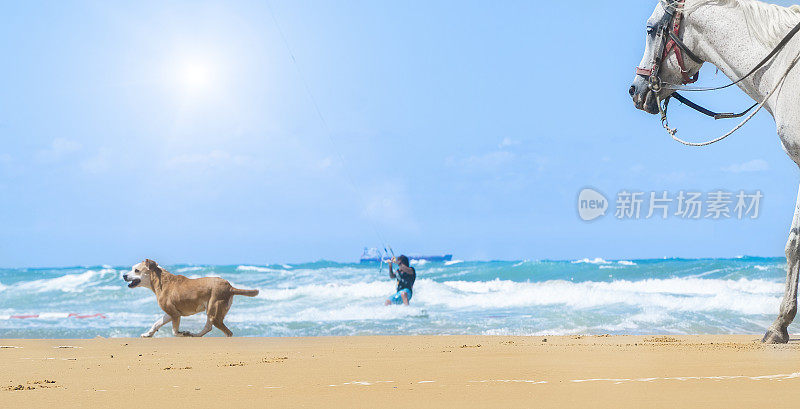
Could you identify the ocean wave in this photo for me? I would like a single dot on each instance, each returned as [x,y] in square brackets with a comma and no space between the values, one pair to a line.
[766,268]
[330,291]
[677,294]
[316,314]
[672,297]
[258,269]
[188,269]
[597,260]
[452,262]
[69,282]
[557,331]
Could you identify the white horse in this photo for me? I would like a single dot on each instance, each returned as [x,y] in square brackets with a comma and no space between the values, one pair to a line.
[735,35]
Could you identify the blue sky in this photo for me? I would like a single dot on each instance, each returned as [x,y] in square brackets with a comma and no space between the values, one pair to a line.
[183,132]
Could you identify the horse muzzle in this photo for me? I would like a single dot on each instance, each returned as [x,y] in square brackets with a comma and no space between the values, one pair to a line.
[643,97]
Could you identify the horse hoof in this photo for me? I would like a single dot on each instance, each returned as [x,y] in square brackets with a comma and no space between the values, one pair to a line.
[774,336]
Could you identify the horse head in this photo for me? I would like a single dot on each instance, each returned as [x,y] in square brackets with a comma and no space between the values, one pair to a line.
[666,60]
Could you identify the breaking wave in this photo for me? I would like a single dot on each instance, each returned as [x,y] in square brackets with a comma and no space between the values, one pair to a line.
[668,296]
[591,261]
[679,294]
[74,283]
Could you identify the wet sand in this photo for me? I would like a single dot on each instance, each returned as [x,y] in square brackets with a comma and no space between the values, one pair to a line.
[407,372]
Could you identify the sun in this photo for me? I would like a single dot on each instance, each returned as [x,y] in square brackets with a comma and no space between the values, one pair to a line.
[195,76]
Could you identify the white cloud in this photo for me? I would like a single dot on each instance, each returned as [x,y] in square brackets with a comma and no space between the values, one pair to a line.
[325,163]
[490,160]
[391,209]
[507,142]
[98,163]
[755,165]
[59,148]
[215,159]
[638,168]
[384,208]
[500,162]
[671,177]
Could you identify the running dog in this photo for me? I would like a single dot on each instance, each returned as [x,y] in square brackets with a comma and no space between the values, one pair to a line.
[180,296]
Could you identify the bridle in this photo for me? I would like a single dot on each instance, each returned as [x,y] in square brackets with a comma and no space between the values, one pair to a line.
[668,34]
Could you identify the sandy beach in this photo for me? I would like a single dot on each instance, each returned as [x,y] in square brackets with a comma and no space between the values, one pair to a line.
[418,372]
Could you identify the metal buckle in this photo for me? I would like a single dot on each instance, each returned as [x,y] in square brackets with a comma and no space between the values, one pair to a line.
[654,83]
[662,109]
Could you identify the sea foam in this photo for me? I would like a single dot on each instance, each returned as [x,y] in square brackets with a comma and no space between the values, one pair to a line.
[678,294]
[671,296]
[69,282]
[591,261]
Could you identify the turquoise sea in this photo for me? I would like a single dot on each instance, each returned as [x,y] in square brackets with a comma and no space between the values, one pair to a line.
[665,296]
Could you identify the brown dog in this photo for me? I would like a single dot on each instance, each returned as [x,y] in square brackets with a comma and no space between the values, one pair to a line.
[180,296]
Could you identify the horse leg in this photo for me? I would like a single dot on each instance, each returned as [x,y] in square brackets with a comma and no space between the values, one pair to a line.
[778,332]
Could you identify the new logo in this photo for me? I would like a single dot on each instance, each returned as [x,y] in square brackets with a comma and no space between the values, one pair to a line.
[591,204]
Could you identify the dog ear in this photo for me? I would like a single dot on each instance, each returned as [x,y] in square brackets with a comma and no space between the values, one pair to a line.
[152,265]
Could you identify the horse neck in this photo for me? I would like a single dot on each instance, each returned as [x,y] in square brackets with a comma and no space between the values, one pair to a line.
[720,36]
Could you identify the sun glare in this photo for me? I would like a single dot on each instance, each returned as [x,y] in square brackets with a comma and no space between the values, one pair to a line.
[195,76]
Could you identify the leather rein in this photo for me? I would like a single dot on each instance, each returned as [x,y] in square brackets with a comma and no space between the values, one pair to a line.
[668,32]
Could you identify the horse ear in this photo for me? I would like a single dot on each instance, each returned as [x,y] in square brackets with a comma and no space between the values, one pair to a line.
[152,265]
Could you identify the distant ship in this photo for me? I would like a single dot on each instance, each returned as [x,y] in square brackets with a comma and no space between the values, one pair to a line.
[373,255]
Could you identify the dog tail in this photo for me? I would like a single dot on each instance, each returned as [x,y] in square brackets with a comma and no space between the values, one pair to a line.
[248,293]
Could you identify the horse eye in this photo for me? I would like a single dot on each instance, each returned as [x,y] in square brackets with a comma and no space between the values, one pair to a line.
[650,30]
[137,270]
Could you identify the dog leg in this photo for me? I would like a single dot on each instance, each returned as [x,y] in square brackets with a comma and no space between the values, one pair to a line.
[217,309]
[176,324]
[223,328]
[205,330]
[160,323]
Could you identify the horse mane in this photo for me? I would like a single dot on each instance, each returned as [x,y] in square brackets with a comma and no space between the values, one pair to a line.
[767,22]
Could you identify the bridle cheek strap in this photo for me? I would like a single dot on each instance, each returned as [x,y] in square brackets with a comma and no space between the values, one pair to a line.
[673,45]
